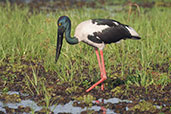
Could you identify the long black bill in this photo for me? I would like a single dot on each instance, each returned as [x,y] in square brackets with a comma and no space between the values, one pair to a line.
[59,44]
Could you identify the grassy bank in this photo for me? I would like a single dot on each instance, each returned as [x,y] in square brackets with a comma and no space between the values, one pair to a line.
[31,37]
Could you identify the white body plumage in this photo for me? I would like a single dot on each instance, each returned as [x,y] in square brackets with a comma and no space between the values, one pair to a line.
[103,28]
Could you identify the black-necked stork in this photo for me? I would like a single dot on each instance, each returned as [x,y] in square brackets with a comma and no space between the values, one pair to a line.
[96,33]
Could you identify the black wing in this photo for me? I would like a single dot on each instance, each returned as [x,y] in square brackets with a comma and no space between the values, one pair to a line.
[108,22]
[114,33]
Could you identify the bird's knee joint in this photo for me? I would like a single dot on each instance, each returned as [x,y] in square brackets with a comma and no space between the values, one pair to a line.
[104,77]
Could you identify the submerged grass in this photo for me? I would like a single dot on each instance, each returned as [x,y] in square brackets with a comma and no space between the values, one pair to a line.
[32,36]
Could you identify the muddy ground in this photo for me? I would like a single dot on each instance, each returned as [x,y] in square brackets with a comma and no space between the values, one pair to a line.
[143,99]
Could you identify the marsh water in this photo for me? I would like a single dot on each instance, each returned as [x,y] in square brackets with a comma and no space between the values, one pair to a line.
[65,108]
[97,107]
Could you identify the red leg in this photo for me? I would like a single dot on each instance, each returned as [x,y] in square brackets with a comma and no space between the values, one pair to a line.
[103,77]
[100,66]
[103,65]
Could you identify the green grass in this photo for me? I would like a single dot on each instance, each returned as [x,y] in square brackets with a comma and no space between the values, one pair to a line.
[33,37]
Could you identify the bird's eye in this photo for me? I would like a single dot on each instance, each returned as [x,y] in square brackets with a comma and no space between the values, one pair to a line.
[60,24]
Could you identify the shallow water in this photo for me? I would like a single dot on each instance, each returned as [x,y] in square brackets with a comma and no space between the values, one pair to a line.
[67,108]
[59,108]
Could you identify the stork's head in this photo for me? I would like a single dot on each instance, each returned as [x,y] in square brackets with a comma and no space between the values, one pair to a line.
[63,24]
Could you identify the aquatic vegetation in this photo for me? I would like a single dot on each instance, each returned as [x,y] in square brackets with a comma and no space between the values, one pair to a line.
[74,89]
[10,98]
[86,99]
[117,90]
[24,109]
[144,106]
[43,111]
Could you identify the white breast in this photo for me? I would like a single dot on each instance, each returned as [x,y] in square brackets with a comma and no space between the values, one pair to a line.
[88,28]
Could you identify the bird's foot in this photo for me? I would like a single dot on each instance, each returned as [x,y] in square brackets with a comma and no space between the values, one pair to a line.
[100,81]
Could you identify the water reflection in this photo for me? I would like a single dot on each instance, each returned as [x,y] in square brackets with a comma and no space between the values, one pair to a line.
[67,108]
[100,105]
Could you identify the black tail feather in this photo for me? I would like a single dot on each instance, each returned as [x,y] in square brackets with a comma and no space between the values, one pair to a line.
[136,37]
